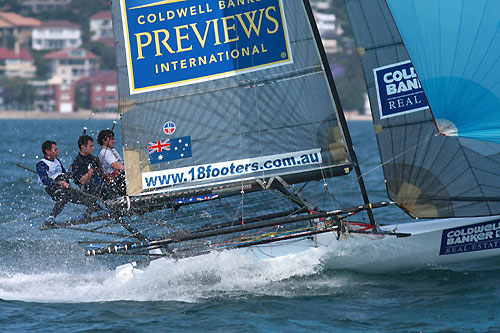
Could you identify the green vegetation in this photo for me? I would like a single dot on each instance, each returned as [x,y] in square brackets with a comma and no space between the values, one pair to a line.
[107,54]
[42,69]
[17,92]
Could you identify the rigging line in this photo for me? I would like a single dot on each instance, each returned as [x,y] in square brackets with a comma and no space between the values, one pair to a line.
[387,125]
[307,202]
[150,227]
[443,150]
[93,231]
[304,203]
[386,162]
[231,209]
[99,95]
[333,197]
[133,231]
[242,198]
[299,199]
[104,156]
[161,224]
[338,107]
[397,156]
[474,175]
[327,190]
[105,225]
[240,123]
[369,158]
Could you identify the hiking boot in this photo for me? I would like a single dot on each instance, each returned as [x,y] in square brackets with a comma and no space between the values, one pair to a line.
[49,223]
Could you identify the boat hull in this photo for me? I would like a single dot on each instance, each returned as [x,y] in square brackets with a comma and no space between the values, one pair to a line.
[431,244]
[427,247]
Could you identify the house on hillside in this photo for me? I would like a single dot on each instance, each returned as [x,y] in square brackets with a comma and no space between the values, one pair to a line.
[329,28]
[38,6]
[54,96]
[15,30]
[17,63]
[101,27]
[72,64]
[56,35]
[99,91]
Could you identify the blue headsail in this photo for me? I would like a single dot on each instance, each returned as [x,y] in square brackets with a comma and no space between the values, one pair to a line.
[455,48]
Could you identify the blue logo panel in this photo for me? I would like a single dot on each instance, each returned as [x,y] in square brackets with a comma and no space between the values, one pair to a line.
[476,237]
[178,42]
[398,90]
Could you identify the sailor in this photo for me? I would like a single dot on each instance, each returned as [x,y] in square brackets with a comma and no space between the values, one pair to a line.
[113,167]
[53,177]
[86,169]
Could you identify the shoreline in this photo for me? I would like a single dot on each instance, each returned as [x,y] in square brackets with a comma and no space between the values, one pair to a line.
[355,116]
[87,114]
[82,114]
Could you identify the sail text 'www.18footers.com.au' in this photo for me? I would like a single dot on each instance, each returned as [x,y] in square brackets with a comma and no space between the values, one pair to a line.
[230,168]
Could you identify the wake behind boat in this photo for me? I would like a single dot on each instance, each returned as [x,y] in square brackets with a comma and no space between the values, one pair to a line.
[228,113]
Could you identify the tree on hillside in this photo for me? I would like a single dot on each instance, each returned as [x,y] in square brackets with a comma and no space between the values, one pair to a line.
[82,10]
[42,69]
[107,54]
[10,6]
[17,91]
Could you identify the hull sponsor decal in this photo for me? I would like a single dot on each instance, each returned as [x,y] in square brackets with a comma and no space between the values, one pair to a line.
[471,238]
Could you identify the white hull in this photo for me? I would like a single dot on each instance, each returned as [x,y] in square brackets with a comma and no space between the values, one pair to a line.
[424,248]
[368,253]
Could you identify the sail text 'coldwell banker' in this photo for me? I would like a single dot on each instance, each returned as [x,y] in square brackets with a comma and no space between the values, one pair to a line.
[178,42]
[398,90]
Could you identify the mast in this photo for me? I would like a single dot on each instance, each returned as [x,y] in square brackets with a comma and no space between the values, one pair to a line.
[340,111]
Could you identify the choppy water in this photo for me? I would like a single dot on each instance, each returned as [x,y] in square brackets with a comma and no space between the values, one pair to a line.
[47,284]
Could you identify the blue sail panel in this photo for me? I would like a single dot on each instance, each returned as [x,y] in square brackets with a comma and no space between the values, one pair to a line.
[455,48]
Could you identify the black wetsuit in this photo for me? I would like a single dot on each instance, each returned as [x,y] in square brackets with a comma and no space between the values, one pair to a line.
[96,185]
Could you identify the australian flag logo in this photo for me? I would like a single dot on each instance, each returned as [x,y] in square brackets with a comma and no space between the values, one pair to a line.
[169,149]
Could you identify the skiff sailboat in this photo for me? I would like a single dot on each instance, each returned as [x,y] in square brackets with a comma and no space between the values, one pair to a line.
[228,109]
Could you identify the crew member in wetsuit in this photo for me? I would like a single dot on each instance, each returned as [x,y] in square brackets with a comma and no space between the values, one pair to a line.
[52,176]
[86,169]
[112,163]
